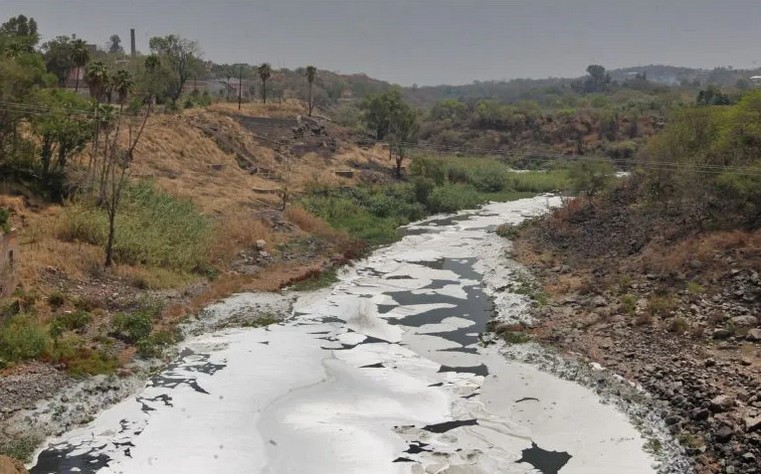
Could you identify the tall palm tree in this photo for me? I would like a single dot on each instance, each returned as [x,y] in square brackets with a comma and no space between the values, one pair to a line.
[79,56]
[96,76]
[311,72]
[265,71]
[122,83]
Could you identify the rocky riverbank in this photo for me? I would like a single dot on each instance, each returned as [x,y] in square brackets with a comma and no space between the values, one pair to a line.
[695,348]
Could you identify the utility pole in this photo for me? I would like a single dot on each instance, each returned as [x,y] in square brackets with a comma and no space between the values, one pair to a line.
[240,84]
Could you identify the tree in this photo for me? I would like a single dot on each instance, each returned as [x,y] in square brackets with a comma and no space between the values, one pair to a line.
[389,117]
[113,152]
[79,56]
[310,73]
[590,177]
[712,96]
[179,60]
[22,32]
[97,78]
[122,83]
[265,72]
[64,130]
[58,57]
[115,45]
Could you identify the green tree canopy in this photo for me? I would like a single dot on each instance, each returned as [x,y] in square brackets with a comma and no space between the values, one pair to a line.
[178,61]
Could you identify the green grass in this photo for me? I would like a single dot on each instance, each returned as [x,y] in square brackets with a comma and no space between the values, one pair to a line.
[22,338]
[152,228]
[315,282]
[19,448]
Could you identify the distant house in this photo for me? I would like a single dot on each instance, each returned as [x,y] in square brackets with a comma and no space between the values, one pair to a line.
[756,80]
[8,262]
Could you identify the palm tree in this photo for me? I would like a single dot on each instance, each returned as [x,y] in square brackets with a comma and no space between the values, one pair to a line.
[122,83]
[96,76]
[79,56]
[265,71]
[311,72]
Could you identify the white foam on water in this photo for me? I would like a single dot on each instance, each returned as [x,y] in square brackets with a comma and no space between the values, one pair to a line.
[343,388]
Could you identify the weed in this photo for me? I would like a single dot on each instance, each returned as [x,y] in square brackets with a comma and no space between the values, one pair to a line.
[56,299]
[514,337]
[19,448]
[155,344]
[507,231]
[262,320]
[132,327]
[628,303]
[80,359]
[678,325]
[316,281]
[694,288]
[644,319]
[661,306]
[654,446]
[22,338]
[689,440]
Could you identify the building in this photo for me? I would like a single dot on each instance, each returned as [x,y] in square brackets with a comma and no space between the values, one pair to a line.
[755,80]
[8,262]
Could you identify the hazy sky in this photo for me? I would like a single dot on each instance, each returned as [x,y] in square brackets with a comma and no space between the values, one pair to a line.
[427,42]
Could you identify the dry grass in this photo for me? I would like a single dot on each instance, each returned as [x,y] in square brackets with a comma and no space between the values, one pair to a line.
[239,232]
[310,223]
[288,108]
[710,250]
[154,278]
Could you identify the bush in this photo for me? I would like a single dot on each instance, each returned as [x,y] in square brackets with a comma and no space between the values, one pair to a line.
[155,344]
[4,216]
[56,299]
[489,179]
[75,320]
[22,338]
[423,187]
[132,327]
[453,198]
[590,177]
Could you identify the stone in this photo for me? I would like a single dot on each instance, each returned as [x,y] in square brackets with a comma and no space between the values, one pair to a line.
[599,301]
[754,335]
[261,244]
[723,434]
[722,402]
[752,424]
[700,414]
[745,320]
[264,254]
[721,333]
[749,457]
[672,420]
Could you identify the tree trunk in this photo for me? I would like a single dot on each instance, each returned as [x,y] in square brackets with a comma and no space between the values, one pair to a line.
[76,84]
[110,243]
[309,113]
[264,91]
[399,159]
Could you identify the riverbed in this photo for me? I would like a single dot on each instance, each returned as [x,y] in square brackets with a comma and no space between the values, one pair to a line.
[385,372]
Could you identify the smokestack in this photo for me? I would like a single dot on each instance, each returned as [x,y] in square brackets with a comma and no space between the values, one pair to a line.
[132,41]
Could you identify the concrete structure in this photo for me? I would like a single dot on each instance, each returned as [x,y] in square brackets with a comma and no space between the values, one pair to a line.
[8,262]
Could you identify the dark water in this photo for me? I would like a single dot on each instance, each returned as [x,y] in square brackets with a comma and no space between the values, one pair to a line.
[548,462]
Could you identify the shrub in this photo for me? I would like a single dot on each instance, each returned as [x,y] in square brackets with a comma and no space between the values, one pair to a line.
[678,325]
[694,288]
[422,188]
[453,198]
[628,303]
[590,177]
[75,320]
[4,216]
[132,327]
[22,338]
[155,344]
[56,299]
[661,306]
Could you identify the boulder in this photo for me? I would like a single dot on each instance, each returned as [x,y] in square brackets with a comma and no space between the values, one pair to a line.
[754,334]
[722,403]
[744,320]
[752,424]
[723,434]
[261,244]
[721,333]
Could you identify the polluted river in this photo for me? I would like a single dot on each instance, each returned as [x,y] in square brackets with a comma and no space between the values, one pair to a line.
[387,371]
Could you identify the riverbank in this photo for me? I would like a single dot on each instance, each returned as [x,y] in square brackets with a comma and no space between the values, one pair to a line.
[687,333]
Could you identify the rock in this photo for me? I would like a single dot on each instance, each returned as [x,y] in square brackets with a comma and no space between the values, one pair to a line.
[749,457]
[754,335]
[700,414]
[721,333]
[264,254]
[9,465]
[261,244]
[672,420]
[599,301]
[722,403]
[752,424]
[745,320]
[723,434]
